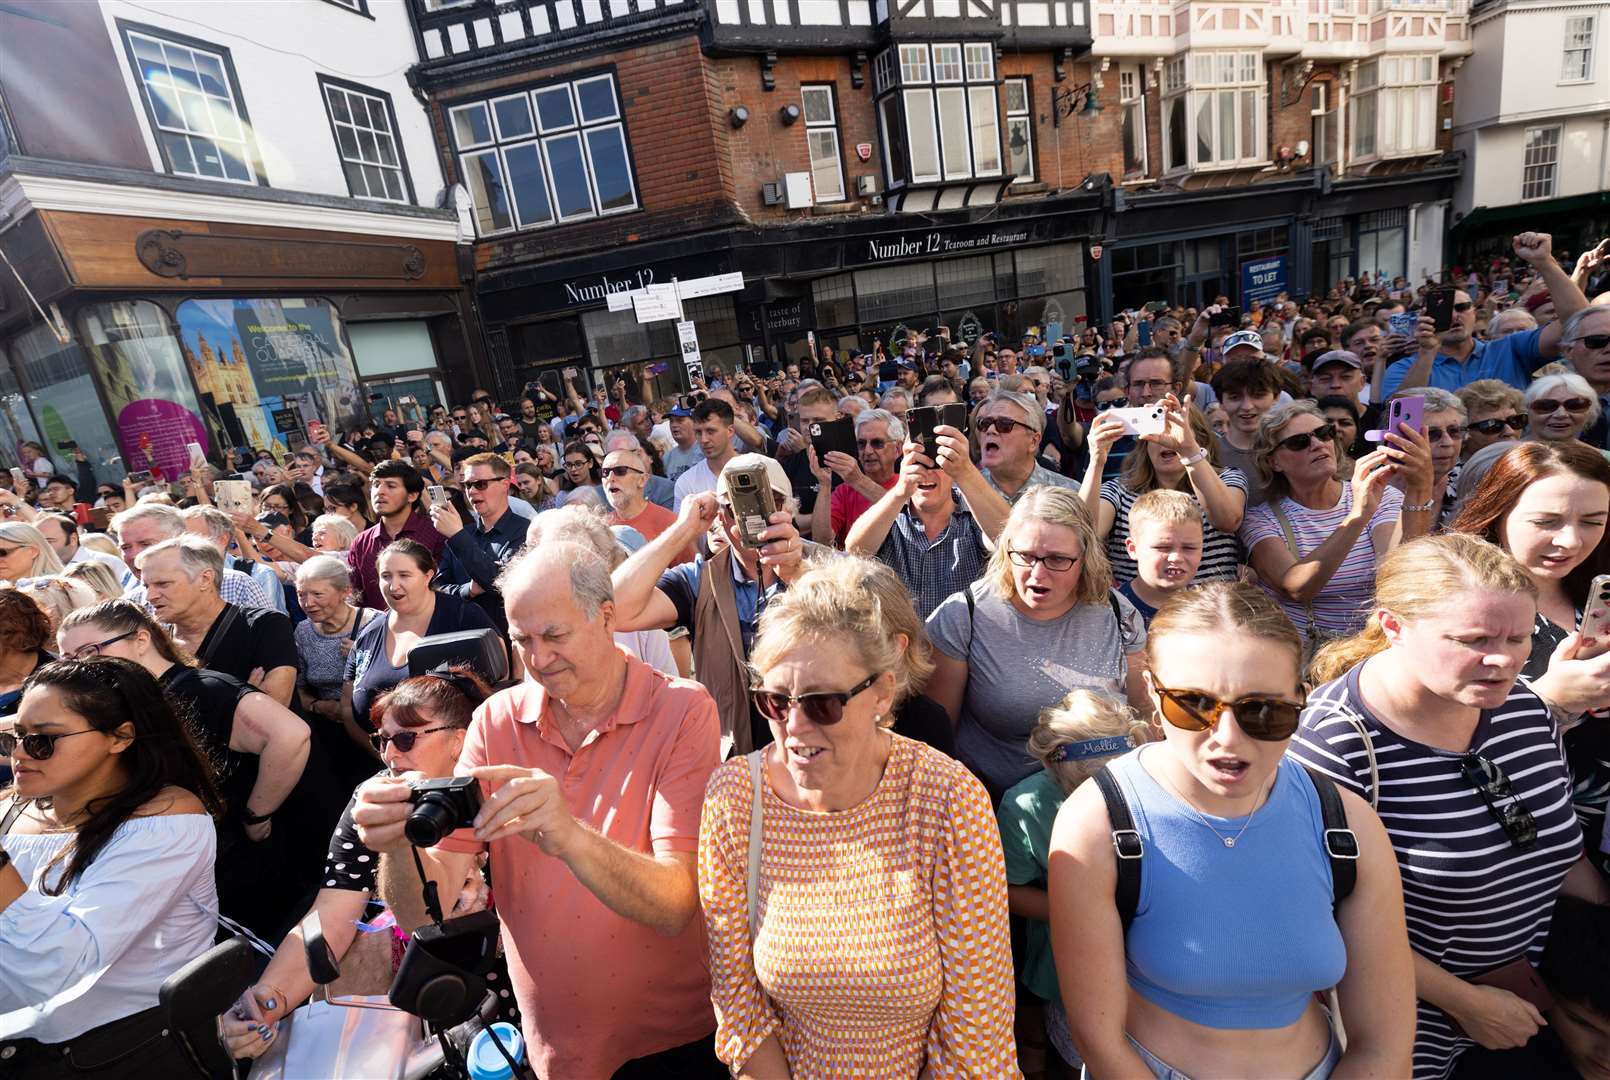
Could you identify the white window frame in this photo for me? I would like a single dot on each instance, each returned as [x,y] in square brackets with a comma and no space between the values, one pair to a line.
[940,82]
[211,110]
[371,99]
[1540,163]
[1389,93]
[1576,60]
[1217,80]
[1132,100]
[580,130]
[1024,118]
[828,128]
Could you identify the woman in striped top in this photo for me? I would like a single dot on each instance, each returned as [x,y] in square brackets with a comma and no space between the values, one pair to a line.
[1422,714]
[1185,457]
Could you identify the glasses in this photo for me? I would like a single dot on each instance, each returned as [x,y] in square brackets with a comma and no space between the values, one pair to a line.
[871,444]
[1057,563]
[1463,306]
[625,470]
[1592,341]
[1502,803]
[1453,433]
[95,648]
[1497,424]
[1115,403]
[37,745]
[823,710]
[1266,719]
[460,417]
[575,464]
[1003,425]
[1149,384]
[6,553]
[1546,406]
[404,740]
[482,485]
[1304,439]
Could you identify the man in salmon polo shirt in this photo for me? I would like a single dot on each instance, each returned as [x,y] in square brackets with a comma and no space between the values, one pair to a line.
[593,777]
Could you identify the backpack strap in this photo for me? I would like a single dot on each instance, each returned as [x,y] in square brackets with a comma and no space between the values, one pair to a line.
[1341,844]
[1126,843]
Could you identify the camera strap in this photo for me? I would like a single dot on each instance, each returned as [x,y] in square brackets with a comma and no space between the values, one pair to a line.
[433,903]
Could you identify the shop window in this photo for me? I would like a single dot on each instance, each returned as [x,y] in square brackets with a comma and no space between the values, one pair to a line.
[822,140]
[1050,269]
[545,157]
[366,140]
[1019,130]
[615,336]
[944,122]
[391,346]
[964,283]
[1214,110]
[16,423]
[1393,110]
[887,293]
[193,101]
[1382,242]
[264,367]
[834,299]
[61,394]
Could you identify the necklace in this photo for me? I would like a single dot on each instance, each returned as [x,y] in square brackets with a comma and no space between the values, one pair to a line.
[1227,841]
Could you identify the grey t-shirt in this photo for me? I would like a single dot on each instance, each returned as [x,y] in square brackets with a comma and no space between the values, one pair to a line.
[1018,666]
[1236,458]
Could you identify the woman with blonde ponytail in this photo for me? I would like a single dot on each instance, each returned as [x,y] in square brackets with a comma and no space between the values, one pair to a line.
[1423,713]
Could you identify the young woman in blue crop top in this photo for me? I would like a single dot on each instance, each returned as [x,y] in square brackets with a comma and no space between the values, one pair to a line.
[1234,934]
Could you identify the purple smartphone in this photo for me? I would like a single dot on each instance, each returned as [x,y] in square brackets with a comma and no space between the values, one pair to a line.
[1404,410]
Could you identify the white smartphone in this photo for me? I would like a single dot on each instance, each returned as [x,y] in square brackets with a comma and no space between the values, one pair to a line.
[197,458]
[19,480]
[437,494]
[1141,419]
[1596,619]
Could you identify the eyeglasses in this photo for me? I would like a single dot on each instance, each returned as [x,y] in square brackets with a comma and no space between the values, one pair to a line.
[871,444]
[1514,422]
[1592,341]
[575,464]
[404,740]
[1546,406]
[823,710]
[1453,433]
[1143,384]
[1266,719]
[1304,439]
[625,470]
[460,417]
[1002,424]
[37,745]
[482,485]
[95,648]
[1503,804]
[1115,403]
[6,553]
[1463,306]
[1056,563]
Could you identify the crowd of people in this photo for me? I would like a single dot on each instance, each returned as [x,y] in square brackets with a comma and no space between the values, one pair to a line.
[1215,693]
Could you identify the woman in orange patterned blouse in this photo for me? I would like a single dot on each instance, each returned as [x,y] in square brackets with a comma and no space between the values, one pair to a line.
[875,943]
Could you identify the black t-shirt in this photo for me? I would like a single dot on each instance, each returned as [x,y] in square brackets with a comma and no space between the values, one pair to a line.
[797,467]
[211,697]
[924,719]
[254,638]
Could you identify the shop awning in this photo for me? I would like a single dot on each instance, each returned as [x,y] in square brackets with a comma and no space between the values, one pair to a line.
[1483,218]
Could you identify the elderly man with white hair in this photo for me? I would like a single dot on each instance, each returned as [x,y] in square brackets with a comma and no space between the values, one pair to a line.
[656,489]
[1585,345]
[211,523]
[1009,427]
[144,525]
[879,435]
[593,774]
[1510,321]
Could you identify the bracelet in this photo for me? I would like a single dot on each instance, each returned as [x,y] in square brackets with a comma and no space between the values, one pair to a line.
[1419,508]
[249,818]
[1200,455]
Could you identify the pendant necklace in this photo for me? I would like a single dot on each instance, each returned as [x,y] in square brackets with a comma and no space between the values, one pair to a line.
[1227,841]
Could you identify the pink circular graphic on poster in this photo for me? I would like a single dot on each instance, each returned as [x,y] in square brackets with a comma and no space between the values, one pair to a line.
[153,433]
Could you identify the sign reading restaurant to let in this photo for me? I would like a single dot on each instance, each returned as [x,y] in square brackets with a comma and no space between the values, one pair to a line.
[917,244]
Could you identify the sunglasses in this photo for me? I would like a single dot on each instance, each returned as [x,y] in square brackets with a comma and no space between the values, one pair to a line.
[460,417]
[1463,306]
[824,709]
[482,485]
[1497,424]
[404,740]
[1453,433]
[1303,440]
[871,444]
[626,470]
[37,745]
[1001,424]
[1593,341]
[6,553]
[1115,403]
[1058,563]
[1546,406]
[1263,718]
[1502,803]
[94,648]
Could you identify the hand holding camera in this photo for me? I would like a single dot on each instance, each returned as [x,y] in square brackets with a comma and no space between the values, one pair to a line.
[524,802]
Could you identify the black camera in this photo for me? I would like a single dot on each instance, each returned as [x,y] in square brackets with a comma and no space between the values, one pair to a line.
[441,806]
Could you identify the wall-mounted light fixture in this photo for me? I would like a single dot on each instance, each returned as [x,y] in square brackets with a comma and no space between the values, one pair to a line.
[789,114]
[738,116]
[1063,102]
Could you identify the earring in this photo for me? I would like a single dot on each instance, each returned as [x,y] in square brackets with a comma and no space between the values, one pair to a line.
[877,718]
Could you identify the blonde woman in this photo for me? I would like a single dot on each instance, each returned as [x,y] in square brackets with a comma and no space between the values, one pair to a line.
[1073,739]
[1202,952]
[916,715]
[1422,713]
[1042,620]
[58,596]
[25,553]
[99,542]
[875,942]
[99,576]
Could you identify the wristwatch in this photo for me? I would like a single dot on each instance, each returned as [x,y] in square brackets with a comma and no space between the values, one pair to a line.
[247,817]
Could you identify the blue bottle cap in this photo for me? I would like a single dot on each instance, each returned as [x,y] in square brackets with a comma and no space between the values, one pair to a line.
[484,1059]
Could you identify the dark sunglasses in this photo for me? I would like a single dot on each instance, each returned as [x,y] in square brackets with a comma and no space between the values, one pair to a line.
[1502,803]
[404,740]
[873,444]
[106,493]
[1263,718]
[6,553]
[1453,433]
[622,470]
[1115,403]
[1303,440]
[1497,424]
[460,416]
[37,745]
[1593,341]
[482,485]
[1546,406]
[824,709]
[1002,424]
[1463,306]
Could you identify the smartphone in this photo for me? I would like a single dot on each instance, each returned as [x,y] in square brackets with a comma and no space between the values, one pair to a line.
[1230,316]
[81,513]
[1141,419]
[100,517]
[1409,410]
[233,496]
[1595,626]
[1405,324]
[66,444]
[830,435]
[1439,305]
[749,490]
[143,476]
[922,421]
[19,480]
[437,495]
[197,457]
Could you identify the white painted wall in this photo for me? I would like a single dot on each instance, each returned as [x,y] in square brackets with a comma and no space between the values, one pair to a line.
[279,47]
[1496,156]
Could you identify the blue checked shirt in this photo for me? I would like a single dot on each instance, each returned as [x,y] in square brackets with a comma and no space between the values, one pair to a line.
[935,569]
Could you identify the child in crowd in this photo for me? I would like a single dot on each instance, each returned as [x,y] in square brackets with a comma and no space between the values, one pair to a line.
[1165,540]
[1073,739]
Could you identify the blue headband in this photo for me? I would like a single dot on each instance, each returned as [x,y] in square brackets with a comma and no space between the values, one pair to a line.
[1091,748]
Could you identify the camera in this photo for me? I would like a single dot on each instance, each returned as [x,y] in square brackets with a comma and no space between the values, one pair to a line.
[440,806]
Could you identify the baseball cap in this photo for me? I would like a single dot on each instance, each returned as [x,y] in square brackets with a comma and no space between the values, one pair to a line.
[774,473]
[1537,300]
[1336,356]
[679,411]
[1249,338]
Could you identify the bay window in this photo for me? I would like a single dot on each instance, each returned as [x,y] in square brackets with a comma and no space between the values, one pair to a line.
[1214,111]
[938,112]
[1393,110]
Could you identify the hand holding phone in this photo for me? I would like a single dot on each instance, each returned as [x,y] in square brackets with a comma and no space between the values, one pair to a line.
[1141,419]
[1409,410]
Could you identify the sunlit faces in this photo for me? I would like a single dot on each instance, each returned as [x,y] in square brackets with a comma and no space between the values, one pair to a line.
[1246,410]
[1346,426]
[1315,461]
[817,755]
[1336,380]
[714,437]
[403,582]
[1167,553]
[1471,649]
[1009,449]
[81,758]
[558,645]
[1046,562]
[388,495]
[1449,429]
[1556,524]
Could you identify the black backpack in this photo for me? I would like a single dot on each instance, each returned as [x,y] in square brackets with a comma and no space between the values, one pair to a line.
[1341,845]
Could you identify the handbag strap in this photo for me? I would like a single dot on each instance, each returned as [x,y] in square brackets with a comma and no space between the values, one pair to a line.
[216,637]
[1126,843]
[13,812]
[753,889]
[1291,543]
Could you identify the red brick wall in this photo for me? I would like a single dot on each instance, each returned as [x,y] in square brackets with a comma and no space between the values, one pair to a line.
[1081,145]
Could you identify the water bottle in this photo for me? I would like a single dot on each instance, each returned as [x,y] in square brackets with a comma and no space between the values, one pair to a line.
[486,1062]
